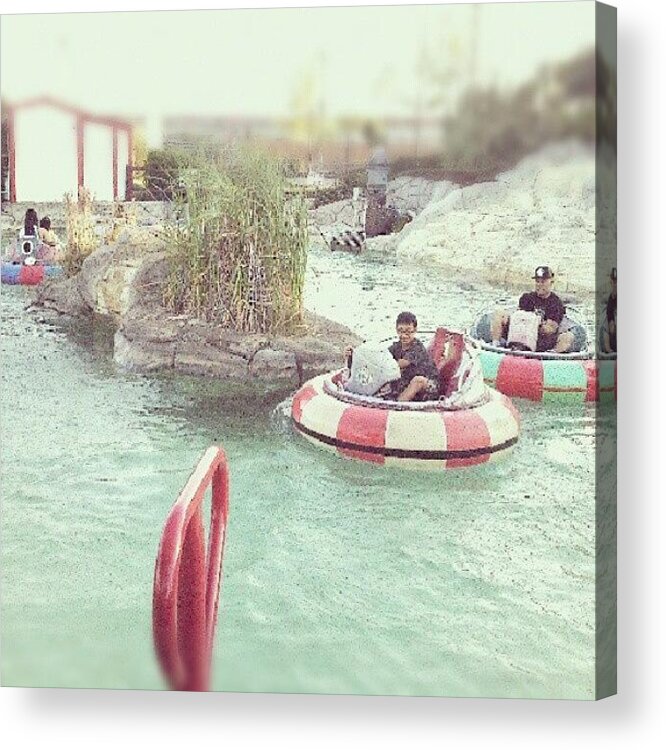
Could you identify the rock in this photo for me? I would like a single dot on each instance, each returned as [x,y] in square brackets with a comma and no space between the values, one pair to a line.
[271,365]
[541,212]
[340,212]
[142,356]
[150,325]
[63,296]
[200,358]
[242,345]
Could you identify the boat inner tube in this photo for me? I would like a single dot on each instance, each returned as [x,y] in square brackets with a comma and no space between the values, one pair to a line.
[414,435]
[576,376]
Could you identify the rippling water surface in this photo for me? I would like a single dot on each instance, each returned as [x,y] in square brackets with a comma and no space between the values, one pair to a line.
[338,577]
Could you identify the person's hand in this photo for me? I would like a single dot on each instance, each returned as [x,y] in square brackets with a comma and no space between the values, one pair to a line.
[611,326]
[549,326]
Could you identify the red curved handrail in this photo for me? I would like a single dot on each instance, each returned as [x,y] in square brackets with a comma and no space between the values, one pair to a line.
[187,580]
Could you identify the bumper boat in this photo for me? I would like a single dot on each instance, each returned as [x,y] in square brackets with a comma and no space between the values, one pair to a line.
[469,424]
[28,275]
[29,262]
[574,377]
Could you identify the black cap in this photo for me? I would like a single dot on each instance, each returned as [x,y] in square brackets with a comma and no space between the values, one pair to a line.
[614,274]
[543,272]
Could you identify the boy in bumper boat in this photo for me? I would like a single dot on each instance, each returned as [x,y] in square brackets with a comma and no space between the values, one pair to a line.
[418,378]
[548,306]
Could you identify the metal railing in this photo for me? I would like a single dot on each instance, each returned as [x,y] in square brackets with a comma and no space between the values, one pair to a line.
[187,580]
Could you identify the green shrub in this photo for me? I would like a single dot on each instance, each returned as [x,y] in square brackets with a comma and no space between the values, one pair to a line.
[161,174]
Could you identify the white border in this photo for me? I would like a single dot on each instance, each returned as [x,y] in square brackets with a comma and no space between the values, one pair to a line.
[101,719]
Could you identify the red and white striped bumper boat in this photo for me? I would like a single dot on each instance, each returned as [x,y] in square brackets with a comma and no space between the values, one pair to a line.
[412,435]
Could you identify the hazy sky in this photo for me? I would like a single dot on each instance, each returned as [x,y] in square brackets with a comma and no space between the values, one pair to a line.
[251,61]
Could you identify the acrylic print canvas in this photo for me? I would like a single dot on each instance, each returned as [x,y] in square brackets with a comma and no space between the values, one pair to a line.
[309,333]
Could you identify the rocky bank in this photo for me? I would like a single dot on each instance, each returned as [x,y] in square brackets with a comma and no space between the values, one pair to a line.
[124,282]
[556,207]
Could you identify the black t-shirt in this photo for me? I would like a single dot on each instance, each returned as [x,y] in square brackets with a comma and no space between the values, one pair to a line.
[611,317]
[421,361]
[611,309]
[548,308]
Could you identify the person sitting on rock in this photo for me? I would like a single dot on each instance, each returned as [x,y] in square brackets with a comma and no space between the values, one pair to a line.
[610,329]
[548,306]
[419,378]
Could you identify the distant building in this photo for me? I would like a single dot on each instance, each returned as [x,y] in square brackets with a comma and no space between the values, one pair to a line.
[54,148]
[345,146]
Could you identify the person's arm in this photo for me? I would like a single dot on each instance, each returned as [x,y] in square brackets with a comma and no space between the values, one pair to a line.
[552,323]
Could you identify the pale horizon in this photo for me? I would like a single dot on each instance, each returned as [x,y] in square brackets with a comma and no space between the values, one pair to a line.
[340,61]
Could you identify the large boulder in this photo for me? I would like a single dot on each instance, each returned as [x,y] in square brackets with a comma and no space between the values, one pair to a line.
[112,278]
[541,212]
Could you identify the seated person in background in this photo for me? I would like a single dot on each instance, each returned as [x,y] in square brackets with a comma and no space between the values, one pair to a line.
[31,223]
[46,234]
[47,251]
[419,378]
[610,330]
[548,306]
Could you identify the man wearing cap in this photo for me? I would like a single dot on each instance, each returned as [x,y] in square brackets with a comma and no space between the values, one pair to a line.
[550,309]
[610,329]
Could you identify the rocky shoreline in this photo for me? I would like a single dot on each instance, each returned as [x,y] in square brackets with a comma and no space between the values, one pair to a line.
[547,210]
[556,208]
[124,282]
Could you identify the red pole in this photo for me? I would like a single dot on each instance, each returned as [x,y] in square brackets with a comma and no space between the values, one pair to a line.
[114,160]
[218,525]
[187,581]
[80,124]
[129,184]
[192,642]
[11,148]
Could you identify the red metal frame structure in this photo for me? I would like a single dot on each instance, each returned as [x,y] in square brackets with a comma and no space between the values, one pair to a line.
[187,580]
[82,118]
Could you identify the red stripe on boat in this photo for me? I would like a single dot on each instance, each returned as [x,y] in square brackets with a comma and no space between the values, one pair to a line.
[592,372]
[362,426]
[465,430]
[520,377]
[31,275]
[300,399]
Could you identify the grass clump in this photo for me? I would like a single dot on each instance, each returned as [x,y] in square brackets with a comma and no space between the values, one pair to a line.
[81,236]
[237,254]
[122,217]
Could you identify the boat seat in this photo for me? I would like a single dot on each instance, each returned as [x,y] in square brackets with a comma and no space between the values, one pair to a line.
[446,350]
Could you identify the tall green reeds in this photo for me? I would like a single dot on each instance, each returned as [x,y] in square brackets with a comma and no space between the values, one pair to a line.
[238,252]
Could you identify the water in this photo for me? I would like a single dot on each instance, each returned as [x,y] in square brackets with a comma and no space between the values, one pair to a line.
[338,577]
